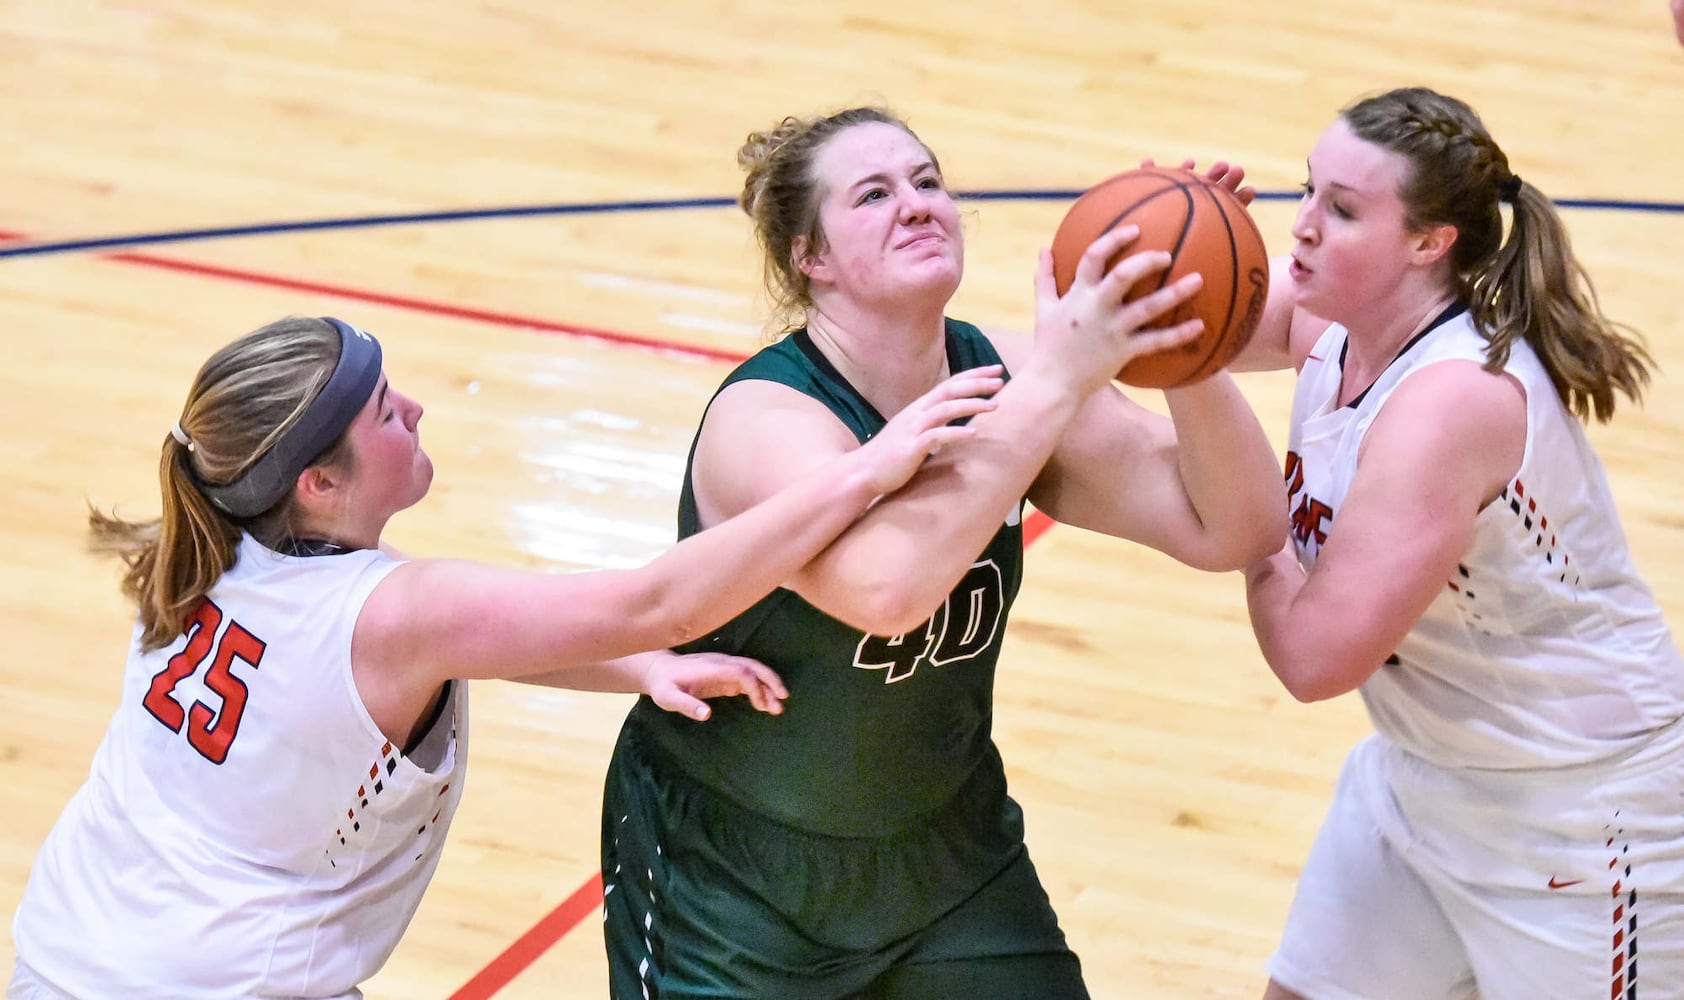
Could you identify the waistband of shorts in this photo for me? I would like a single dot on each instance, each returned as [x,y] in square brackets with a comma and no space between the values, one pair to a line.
[980,800]
[1661,748]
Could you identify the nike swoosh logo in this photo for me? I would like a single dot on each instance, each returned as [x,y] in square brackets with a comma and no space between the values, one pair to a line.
[1556,883]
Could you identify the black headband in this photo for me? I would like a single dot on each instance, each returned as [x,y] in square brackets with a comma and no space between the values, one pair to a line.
[268,479]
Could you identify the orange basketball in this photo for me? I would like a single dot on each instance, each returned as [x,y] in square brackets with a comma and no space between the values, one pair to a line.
[1206,229]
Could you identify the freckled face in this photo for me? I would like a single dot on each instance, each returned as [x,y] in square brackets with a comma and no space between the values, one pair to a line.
[890,228]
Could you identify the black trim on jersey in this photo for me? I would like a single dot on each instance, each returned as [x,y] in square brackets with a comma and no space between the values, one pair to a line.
[312,547]
[432,717]
[1450,312]
[804,342]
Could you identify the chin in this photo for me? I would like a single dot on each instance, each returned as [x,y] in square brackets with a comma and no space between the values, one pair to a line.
[423,479]
[943,281]
[1308,301]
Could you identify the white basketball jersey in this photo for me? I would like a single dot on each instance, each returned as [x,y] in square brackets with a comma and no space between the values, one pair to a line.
[246,830]
[1544,649]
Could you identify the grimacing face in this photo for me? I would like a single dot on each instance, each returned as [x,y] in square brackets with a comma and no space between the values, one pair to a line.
[890,226]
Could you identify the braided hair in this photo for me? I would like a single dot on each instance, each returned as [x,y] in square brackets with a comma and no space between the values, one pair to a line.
[1529,285]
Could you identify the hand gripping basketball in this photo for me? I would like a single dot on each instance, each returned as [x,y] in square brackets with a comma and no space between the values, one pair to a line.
[1205,228]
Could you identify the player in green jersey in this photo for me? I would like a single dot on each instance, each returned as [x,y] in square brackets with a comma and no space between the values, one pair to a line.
[862,844]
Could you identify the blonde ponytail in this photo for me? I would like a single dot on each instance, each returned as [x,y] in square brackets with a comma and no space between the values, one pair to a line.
[242,400]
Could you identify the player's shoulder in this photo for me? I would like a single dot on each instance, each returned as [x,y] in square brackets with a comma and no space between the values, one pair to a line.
[753,414]
[1452,413]
[1456,390]
[1012,346]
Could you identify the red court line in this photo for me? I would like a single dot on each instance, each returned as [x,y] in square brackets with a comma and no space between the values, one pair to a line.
[1036,525]
[423,305]
[534,942]
[558,922]
[585,900]
[411,303]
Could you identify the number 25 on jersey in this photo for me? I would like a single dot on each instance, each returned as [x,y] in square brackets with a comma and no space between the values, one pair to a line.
[208,731]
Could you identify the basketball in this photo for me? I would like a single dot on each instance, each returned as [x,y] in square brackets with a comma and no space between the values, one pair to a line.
[1205,229]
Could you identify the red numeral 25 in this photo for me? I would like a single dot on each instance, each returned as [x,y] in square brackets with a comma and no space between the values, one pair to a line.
[210,733]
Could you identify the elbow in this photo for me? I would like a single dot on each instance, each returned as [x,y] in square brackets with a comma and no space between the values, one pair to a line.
[1319,680]
[878,596]
[889,610]
[1259,530]
[661,616]
[1243,536]
[1260,538]
[893,625]
[662,628]
[1267,536]
[669,635]
[1308,691]
[1262,534]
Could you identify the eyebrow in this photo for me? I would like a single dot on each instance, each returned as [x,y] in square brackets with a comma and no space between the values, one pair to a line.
[882,177]
[1309,172]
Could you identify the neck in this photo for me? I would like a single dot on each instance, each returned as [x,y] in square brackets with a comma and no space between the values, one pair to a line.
[1374,345]
[338,531]
[891,360]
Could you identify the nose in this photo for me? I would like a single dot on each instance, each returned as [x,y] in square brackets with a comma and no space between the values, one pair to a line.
[410,409]
[914,204]
[1304,223]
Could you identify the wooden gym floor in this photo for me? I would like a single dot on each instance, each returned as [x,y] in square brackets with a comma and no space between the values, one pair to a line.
[1171,787]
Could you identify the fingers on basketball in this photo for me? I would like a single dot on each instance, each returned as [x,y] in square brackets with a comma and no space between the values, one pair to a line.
[1206,229]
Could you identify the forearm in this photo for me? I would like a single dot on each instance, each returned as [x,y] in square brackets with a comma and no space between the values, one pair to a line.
[627,674]
[892,570]
[1271,586]
[763,546]
[1229,472]
[1320,639]
[583,630]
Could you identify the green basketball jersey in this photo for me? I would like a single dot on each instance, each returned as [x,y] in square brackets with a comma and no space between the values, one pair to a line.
[878,730]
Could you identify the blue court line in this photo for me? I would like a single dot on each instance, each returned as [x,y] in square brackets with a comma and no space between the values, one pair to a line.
[606,207]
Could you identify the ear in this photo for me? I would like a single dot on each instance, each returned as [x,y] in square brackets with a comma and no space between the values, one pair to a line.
[813,265]
[316,486]
[1433,243]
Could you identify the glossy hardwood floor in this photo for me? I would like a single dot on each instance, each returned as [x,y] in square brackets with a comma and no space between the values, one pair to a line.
[1171,787]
